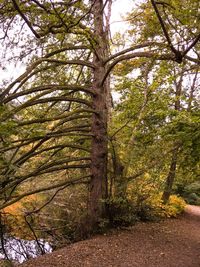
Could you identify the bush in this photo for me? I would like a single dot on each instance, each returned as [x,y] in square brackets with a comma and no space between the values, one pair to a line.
[125,212]
[175,206]
[191,193]
[121,212]
[153,209]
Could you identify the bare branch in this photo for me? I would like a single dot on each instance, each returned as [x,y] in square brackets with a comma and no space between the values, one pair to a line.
[17,180]
[16,6]
[65,118]
[178,54]
[46,188]
[163,26]
[191,45]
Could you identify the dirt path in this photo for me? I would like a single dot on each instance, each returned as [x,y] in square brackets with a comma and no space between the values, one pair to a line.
[171,243]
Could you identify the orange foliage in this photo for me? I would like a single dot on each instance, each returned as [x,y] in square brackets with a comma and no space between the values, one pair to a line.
[14,217]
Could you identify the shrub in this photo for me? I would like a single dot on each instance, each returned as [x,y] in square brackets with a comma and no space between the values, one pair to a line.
[152,208]
[121,212]
[191,193]
[175,206]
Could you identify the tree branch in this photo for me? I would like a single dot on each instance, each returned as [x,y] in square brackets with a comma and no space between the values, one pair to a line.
[46,188]
[16,6]
[134,55]
[163,27]
[130,49]
[33,102]
[191,45]
[38,62]
[51,87]
[178,54]
[17,180]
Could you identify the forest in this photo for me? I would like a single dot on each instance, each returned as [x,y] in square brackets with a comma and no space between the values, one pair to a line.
[97,130]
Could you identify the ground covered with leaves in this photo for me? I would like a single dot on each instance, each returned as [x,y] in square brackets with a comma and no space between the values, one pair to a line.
[170,243]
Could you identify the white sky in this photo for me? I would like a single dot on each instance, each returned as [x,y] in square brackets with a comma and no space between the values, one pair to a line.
[119,9]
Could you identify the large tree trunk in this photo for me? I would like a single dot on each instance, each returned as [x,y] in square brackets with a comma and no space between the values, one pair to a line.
[170,177]
[98,184]
[172,170]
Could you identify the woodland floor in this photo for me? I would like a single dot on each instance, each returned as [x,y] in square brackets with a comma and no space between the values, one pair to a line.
[170,243]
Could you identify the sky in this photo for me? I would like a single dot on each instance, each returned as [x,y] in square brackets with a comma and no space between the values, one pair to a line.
[119,8]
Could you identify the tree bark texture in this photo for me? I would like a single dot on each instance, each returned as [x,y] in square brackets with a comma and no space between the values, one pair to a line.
[170,177]
[98,184]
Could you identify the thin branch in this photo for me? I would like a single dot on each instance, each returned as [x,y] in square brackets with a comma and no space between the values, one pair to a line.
[134,55]
[19,179]
[155,162]
[50,87]
[49,135]
[38,62]
[163,27]
[32,102]
[47,202]
[65,118]
[60,147]
[191,45]
[40,5]
[178,54]
[34,234]
[70,62]
[195,60]
[16,6]
[67,48]
[50,165]
[130,49]
[164,4]
[43,189]
[192,89]
[2,238]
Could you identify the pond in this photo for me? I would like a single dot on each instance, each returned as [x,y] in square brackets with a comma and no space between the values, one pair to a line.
[20,250]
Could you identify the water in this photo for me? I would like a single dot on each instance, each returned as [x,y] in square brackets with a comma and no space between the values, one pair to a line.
[20,250]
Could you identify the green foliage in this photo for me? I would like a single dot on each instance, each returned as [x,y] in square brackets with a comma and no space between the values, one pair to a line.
[153,208]
[6,263]
[121,212]
[191,193]
[126,212]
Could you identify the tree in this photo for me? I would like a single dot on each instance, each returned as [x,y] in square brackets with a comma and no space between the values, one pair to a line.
[71,44]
